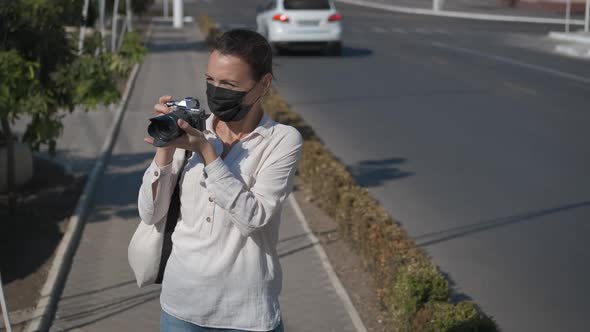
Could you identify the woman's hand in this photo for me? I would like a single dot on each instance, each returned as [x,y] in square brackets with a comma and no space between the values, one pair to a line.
[193,140]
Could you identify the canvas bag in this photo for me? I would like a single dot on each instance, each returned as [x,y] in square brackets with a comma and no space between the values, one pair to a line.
[151,245]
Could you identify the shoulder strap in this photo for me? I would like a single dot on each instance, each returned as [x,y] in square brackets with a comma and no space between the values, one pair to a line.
[171,220]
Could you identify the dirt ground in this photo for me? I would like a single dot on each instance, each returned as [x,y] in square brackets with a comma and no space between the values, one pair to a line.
[346,263]
[30,236]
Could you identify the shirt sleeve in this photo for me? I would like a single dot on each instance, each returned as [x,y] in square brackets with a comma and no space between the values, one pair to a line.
[251,209]
[152,210]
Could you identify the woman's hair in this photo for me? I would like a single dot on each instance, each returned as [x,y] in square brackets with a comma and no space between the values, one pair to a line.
[249,46]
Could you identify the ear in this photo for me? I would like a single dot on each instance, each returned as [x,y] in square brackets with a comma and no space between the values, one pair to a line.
[267,82]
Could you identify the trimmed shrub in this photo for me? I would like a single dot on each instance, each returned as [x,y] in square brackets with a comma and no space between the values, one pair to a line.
[460,317]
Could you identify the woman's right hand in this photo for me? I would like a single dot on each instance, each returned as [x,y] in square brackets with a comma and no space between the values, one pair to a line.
[163,154]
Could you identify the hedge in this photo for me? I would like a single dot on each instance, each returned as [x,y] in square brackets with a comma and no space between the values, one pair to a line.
[409,285]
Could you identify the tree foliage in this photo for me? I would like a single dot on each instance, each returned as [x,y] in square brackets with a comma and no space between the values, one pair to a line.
[34,41]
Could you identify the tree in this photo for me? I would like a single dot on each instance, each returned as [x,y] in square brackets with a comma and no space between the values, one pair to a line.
[42,75]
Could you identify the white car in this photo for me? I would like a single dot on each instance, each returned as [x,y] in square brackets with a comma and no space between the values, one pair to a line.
[301,23]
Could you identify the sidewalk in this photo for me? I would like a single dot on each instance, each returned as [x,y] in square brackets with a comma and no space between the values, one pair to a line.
[492,7]
[100,293]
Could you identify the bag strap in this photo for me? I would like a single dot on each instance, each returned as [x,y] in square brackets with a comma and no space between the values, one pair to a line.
[171,220]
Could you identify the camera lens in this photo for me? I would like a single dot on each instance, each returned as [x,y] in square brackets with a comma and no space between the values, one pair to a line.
[164,128]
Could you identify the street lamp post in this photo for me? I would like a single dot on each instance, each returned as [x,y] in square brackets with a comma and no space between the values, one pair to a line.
[177,14]
[437,5]
[166,5]
[114,26]
[83,26]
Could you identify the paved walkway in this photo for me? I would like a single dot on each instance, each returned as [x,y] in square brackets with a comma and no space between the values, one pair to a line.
[491,7]
[100,293]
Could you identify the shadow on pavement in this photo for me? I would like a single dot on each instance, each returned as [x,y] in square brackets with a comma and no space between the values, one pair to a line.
[461,231]
[373,173]
[347,52]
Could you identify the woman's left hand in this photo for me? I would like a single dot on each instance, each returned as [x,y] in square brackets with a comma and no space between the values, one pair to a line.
[193,140]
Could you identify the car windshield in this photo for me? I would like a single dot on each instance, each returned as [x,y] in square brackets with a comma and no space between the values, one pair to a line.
[306,4]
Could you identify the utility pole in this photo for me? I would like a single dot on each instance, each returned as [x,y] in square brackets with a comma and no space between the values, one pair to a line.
[114,27]
[129,15]
[437,5]
[178,15]
[103,31]
[587,19]
[83,26]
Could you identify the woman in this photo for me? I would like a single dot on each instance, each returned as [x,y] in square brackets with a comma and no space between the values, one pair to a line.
[224,271]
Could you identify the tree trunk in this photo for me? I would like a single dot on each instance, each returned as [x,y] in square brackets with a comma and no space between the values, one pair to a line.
[9,164]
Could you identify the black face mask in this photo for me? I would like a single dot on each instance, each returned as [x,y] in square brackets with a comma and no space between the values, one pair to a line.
[227,104]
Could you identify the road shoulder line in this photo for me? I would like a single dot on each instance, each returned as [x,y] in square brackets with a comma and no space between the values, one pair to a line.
[340,290]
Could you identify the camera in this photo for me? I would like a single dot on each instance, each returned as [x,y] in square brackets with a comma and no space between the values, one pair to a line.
[164,128]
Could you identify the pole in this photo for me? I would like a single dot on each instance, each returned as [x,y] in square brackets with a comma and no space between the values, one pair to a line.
[177,14]
[568,9]
[83,26]
[114,27]
[4,309]
[129,15]
[103,31]
[587,19]
[166,7]
[437,5]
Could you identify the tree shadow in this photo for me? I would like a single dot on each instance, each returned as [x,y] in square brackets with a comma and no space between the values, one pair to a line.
[29,236]
[373,173]
[428,239]
[347,52]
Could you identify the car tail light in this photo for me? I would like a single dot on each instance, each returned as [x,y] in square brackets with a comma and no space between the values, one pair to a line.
[281,18]
[335,18]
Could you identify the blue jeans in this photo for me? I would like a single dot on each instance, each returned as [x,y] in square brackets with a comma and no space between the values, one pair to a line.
[169,323]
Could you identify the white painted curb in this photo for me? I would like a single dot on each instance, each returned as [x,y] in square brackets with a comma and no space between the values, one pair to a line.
[45,309]
[354,315]
[464,15]
[570,37]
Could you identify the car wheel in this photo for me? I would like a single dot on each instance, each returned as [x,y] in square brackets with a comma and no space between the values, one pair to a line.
[334,48]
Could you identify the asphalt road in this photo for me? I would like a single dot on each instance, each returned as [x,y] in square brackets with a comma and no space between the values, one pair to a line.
[474,136]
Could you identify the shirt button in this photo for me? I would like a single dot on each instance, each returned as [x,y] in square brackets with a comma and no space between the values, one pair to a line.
[208,219]
[156,173]
[210,199]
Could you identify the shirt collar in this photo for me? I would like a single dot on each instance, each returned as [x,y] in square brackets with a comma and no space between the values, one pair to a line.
[264,128]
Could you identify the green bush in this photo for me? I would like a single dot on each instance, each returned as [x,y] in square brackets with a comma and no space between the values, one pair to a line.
[413,287]
[460,317]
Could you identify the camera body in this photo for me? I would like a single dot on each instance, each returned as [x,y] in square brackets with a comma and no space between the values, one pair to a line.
[164,128]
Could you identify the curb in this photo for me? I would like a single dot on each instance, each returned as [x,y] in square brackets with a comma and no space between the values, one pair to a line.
[45,309]
[456,14]
[570,37]
[340,290]
[573,51]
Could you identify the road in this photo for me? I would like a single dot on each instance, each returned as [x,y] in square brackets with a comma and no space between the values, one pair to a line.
[474,136]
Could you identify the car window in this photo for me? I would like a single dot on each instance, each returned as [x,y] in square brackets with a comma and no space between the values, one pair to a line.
[306,4]
[272,4]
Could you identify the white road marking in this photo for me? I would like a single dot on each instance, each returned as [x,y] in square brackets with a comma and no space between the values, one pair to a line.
[340,290]
[399,30]
[514,62]
[378,30]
